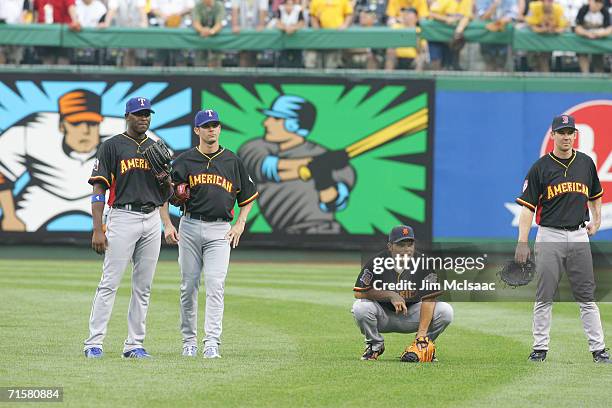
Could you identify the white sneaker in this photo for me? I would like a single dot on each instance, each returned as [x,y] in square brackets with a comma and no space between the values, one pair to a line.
[190,351]
[212,352]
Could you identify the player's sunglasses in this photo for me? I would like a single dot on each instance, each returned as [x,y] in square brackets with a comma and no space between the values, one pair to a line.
[142,113]
[210,125]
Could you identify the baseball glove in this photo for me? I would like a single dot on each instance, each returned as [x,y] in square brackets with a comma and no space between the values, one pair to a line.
[516,274]
[180,195]
[159,159]
[422,350]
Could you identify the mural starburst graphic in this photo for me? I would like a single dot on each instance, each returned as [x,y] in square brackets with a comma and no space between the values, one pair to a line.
[391,178]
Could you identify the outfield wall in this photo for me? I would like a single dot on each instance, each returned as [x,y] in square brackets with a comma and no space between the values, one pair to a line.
[446,154]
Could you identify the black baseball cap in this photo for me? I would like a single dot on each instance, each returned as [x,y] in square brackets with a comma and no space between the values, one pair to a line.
[401,233]
[563,122]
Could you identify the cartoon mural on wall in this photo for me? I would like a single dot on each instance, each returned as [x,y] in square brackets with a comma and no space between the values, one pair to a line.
[331,158]
[49,135]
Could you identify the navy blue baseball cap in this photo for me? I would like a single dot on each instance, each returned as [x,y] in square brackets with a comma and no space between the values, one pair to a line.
[401,233]
[563,122]
[205,116]
[138,104]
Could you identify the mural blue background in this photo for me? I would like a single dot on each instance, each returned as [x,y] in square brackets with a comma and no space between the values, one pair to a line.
[32,97]
[485,142]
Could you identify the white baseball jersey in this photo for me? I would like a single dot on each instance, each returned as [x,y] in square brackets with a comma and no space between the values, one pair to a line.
[58,175]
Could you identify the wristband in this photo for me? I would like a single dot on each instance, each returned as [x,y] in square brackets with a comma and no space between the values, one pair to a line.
[98,198]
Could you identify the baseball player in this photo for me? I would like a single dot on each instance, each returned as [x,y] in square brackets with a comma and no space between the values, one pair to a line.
[216,179]
[56,160]
[132,228]
[288,203]
[383,308]
[561,187]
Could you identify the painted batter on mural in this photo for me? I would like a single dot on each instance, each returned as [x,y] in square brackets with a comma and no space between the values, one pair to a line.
[290,201]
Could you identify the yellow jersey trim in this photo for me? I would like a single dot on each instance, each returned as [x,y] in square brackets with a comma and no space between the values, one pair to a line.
[526,204]
[568,164]
[596,196]
[100,178]
[207,156]
[245,202]
[137,144]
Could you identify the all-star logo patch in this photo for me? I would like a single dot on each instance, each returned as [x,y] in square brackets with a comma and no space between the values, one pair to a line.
[366,277]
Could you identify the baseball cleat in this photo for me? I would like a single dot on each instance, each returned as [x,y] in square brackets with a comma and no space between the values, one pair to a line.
[602,356]
[136,353]
[370,354]
[190,351]
[94,352]
[537,356]
[212,352]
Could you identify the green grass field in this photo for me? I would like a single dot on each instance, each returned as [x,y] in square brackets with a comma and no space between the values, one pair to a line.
[289,340]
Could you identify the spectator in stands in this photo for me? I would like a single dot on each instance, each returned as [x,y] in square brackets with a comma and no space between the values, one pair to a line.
[249,14]
[394,8]
[12,12]
[377,7]
[593,21]
[407,57]
[499,13]
[329,14]
[128,13]
[55,12]
[545,17]
[289,19]
[172,14]
[456,13]
[91,13]
[570,9]
[364,57]
[207,19]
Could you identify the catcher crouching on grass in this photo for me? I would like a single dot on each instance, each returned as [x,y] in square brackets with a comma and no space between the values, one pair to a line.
[380,308]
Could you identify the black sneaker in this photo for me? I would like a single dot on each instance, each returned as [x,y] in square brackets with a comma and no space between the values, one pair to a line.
[537,355]
[370,354]
[602,356]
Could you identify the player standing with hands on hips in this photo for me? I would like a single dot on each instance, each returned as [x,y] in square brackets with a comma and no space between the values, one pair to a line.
[560,188]
[209,180]
[133,228]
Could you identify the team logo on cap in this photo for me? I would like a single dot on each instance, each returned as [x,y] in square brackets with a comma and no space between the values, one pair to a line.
[593,138]
[405,231]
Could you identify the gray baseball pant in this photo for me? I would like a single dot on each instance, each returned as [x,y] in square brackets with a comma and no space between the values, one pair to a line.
[135,237]
[202,246]
[558,251]
[372,319]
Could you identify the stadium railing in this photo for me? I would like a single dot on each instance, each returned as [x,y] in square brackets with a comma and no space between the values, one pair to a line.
[354,37]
